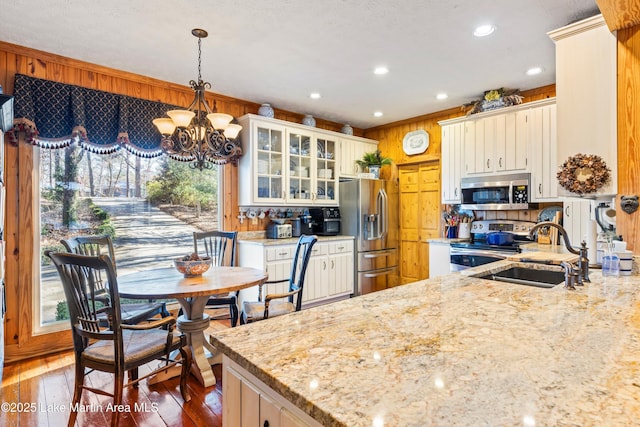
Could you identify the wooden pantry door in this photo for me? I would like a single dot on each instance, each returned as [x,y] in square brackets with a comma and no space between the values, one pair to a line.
[419,218]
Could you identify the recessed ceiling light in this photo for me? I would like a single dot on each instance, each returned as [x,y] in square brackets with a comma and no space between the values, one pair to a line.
[380,70]
[315,95]
[377,114]
[442,96]
[484,30]
[533,71]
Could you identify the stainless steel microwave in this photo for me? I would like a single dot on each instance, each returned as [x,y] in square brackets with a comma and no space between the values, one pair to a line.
[498,192]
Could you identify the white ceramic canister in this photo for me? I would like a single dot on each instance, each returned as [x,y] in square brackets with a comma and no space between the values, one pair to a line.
[464,230]
[626,262]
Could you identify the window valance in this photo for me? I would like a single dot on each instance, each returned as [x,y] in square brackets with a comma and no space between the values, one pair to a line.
[56,115]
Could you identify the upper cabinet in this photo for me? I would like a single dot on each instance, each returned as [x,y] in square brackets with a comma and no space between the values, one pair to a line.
[352,148]
[586,94]
[520,138]
[496,143]
[291,164]
[542,134]
[452,145]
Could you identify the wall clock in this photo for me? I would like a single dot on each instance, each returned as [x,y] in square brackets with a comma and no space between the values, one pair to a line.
[415,142]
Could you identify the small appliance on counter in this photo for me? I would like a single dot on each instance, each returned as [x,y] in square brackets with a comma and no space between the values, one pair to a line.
[277,229]
[325,221]
[307,224]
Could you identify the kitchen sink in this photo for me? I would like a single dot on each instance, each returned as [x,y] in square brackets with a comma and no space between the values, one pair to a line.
[527,276]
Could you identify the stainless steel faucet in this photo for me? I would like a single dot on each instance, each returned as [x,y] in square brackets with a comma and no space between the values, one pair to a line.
[583,261]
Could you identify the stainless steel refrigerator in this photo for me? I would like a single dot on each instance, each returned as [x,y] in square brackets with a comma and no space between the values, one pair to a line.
[364,208]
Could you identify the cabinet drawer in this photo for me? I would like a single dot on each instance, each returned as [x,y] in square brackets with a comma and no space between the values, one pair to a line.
[319,249]
[278,253]
[341,247]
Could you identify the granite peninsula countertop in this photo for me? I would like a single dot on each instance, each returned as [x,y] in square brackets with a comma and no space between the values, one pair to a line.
[457,351]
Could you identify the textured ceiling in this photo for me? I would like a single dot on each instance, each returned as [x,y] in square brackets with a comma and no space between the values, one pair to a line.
[281,50]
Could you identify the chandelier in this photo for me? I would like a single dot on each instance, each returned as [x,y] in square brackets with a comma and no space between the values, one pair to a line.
[198,134]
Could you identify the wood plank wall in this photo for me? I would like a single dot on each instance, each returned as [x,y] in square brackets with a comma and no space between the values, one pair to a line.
[390,135]
[20,231]
[629,132]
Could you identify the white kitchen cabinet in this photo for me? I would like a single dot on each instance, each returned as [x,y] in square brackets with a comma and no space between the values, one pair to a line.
[248,402]
[586,94]
[495,143]
[439,258]
[544,142]
[329,273]
[341,261]
[576,219]
[287,164]
[452,143]
[351,149]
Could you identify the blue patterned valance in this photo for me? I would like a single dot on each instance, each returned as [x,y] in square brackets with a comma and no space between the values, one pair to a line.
[56,115]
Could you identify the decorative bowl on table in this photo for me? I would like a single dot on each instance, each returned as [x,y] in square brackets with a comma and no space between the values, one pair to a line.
[191,267]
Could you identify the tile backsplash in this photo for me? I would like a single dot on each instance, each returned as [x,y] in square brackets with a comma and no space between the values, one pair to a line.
[514,215]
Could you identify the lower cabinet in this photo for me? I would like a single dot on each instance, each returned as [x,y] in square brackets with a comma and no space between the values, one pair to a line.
[576,220]
[248,402]
[439,259]
[330,274]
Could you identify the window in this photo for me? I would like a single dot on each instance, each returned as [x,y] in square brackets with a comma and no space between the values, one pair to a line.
[82,193]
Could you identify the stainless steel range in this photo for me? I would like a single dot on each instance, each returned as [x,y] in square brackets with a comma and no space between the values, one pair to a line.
[477,252]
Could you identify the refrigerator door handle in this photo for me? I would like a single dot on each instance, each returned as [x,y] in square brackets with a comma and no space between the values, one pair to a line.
[380,253]
[383,206]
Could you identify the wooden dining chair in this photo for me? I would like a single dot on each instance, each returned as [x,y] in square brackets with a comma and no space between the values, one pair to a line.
[116,348]
[132,313]
[284,303]
[221,247]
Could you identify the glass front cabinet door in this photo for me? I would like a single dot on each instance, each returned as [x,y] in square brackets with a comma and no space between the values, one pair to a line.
[270,163]
[300,166]
[325,170]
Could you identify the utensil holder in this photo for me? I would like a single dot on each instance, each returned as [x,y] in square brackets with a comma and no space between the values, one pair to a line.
[452,231]
[464,231]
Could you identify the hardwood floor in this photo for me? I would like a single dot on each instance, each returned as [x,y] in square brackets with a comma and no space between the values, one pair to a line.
[38,392]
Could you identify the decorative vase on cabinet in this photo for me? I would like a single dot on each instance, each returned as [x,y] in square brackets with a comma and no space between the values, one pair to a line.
[347,130]
[266,110]
[308,120]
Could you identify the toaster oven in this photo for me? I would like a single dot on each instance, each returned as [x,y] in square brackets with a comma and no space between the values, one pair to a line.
[278,231]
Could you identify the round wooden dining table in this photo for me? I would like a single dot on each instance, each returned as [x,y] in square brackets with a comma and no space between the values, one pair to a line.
[192,293]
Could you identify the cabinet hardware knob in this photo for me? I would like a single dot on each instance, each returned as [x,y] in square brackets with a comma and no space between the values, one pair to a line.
[324,265]
[566,210]
[487,163]
[540,188]
[332,265]
[500,162]
[266,423]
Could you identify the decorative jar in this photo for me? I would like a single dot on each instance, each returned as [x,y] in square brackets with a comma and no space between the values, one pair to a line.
[266,110]
[308,120]
[347,130]
[375,171]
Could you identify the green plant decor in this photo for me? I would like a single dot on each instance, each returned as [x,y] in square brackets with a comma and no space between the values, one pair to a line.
[373,158]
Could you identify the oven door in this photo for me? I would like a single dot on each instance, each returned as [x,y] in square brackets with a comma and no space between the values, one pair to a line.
[461,259]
